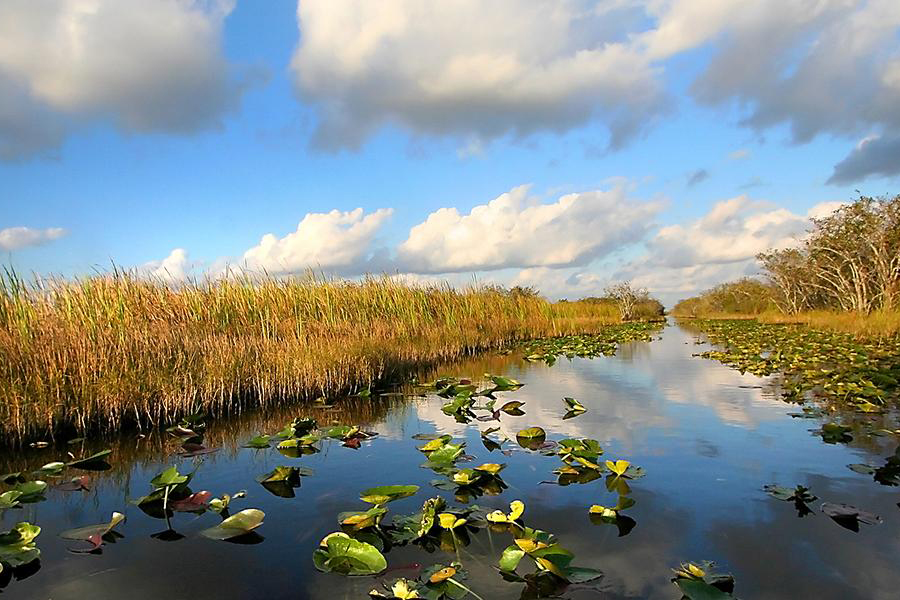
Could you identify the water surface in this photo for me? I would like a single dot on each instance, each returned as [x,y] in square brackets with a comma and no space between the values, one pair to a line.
[708,437]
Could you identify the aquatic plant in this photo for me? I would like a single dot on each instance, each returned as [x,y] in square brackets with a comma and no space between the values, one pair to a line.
[94,535]
[702,583]
[17,547]
[340,553]
[99,352]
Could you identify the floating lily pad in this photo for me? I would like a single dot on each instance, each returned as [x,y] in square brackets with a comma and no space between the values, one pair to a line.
[93,534]
[848,516]
[387,493]
[17,547]
[531,438]
[94,462]
[236,525]
[31,491]
[339,553]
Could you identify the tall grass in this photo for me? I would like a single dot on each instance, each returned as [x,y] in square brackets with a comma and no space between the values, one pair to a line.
[101,352]
[878,324]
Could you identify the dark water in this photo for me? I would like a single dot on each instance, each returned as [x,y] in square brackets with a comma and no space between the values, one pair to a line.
[708,437]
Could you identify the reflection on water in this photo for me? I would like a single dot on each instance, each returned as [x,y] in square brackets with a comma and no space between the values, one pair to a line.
[709,438]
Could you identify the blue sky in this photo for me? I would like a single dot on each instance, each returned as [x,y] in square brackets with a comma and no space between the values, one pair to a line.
[130,130]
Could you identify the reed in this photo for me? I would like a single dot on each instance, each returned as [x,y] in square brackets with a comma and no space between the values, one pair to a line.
[103,352]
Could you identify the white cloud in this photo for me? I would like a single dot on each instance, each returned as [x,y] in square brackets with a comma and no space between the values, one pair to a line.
[734,230]
[739,154]
[15,238]
[336,240]
[174,268]
[515,230]
[472,68]
[815,65]
[144,66]
[684,259]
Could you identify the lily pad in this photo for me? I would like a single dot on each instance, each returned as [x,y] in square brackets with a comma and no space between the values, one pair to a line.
[236,525]
[93,534]
[387,493]
[848,516]
[31,491]
[339,553]
[17,546]
[531,438]
[94,462]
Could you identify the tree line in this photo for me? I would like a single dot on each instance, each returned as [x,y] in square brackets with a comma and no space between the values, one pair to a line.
[848,261]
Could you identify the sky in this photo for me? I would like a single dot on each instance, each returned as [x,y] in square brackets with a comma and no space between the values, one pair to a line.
[561,144]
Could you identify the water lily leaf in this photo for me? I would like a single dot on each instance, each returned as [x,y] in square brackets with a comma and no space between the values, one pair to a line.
[582,574]
[282,480]
[9,499]
[362,520]
[848,516]
[17,546]
[339,553]
[31,491]
[513,407]
[93,533]
[505,383]
[492,468]
[430,510]
[11,478]
[94,462]
[511,558]
[76,484]
[531,438]
[236,525]
[436,443]
[862,469]
[388,493]
[51,469]
[169,477]
[196,502]
[191,449]
[573,405]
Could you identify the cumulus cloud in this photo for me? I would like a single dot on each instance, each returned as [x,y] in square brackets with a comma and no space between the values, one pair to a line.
[15,238]
[828,66]
[686,258]
[174,268]
[874,156]
[734,230]
[337,241]
[517,230]
[474,69]
[144,66]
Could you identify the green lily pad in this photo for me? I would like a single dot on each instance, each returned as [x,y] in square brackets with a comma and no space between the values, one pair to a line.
[51,469]
[17,546]
[387,493]
[9,499]
[259,442]
[31,491]
[531,438]
[94,462]
[236,525]
[339,553]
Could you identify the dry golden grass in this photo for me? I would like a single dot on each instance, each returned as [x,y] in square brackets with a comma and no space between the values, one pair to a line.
[101,352]
[879,324]
[874,325]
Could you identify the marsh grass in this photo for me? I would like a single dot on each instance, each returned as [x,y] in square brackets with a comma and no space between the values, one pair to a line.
[875,325]
[103,352]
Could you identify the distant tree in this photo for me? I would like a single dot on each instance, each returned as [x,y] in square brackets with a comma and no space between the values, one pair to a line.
[627,298]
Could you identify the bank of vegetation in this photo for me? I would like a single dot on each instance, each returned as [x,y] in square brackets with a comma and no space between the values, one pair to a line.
[844,275]
[105,351]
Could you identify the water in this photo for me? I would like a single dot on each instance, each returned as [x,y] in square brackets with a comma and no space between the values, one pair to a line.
[708,437]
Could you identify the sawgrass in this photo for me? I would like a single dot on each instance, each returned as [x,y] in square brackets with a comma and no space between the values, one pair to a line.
[112,350]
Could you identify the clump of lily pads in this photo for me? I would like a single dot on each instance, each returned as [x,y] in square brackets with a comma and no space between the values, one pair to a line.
[17,546]
[438,582]
[701,582]
[602,343]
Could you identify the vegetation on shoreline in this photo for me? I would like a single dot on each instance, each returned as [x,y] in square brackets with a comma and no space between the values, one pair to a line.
[103,351]
[844,276]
